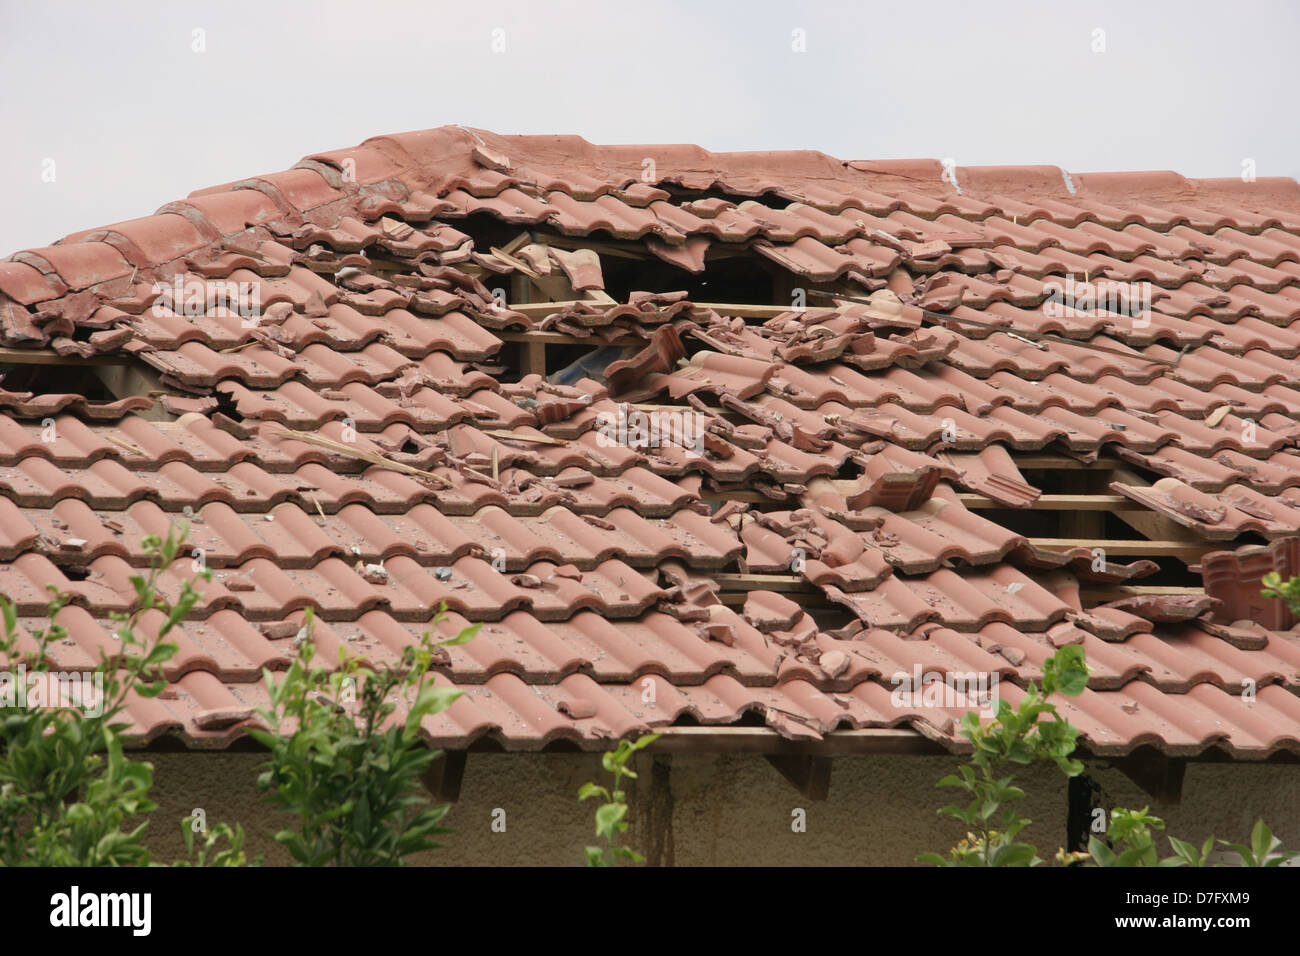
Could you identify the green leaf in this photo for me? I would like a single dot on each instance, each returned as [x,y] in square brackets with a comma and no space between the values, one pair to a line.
[1012,854]
[1247,856]
[1100,852]
[1186,852]
[295,844]
[1133,856]
[1262,841]
[160,654]
[10,613]
[608,817]
[150,689]
[592,790]
[432,700]
[464,637]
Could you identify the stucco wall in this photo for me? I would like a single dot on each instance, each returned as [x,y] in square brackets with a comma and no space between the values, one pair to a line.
[730,810]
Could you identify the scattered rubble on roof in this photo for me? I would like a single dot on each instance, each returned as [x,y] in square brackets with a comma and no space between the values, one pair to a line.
[764,429]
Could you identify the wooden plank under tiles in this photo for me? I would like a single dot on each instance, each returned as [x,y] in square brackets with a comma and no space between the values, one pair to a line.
[1080,522]
[751,497]
[533,358]
[1147,522]
[1055,503]
[734,588]
[763,740]
[762,582]
[744,310]
[12,356]
[740,310]
[863,741]
[628,251]
[125,381]
[973,501]
[1133,547]
[562,338]
[809,597]
[1094,594]
[1049,462]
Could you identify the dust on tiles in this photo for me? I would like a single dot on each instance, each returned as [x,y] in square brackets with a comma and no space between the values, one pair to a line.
[911,457]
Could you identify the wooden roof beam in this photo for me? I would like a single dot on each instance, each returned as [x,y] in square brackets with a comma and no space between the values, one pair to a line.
[12,356]
[1073,502]
[807,773]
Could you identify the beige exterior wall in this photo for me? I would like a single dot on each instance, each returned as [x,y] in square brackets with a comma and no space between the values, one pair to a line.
[729,810]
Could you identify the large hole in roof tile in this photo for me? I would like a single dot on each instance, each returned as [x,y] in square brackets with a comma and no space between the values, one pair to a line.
[55,379]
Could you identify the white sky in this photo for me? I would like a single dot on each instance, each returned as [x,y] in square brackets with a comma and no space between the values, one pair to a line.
[134,118]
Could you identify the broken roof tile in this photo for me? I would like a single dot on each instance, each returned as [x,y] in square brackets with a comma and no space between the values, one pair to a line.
[376,441]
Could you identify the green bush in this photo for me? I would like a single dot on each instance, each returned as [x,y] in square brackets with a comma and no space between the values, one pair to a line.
[1019,736]
[346,769]
[68,794]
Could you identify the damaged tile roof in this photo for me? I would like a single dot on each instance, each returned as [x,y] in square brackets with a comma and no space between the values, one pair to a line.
[900,428]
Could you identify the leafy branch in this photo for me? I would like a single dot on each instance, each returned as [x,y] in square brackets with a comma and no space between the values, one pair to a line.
[343,764]
[1022,736]
[1017,736]
[67,790]
[1287,591]
[611,816]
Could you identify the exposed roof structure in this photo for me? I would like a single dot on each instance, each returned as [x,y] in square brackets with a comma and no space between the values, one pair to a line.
[933,432]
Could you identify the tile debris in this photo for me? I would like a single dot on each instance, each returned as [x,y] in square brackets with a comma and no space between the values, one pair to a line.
[888,437]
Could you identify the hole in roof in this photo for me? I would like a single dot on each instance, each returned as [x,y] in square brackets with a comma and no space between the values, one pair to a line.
[682,194]
[849,470]
[488,231]
[1030,523]
[830,617]
[226,405]
[61,379]
[1173,572]
[744,280]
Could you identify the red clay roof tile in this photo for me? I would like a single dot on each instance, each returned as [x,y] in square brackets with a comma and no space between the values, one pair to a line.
[596,566]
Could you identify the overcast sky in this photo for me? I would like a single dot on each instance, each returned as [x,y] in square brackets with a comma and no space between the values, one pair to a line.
[132,116]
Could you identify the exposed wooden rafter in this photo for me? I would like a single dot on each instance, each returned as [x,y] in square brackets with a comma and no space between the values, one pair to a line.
[12,356]
[810,775]
[125,381]
[1159,776]
[1132,547]
[1062,502]
[445,775]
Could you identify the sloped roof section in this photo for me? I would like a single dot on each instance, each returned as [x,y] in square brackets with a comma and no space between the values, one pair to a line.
[702,438]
